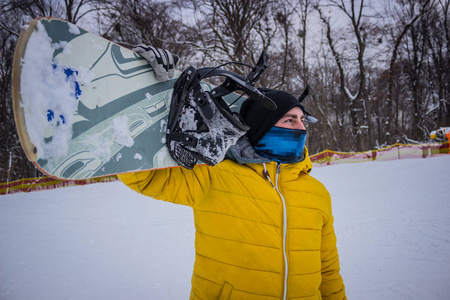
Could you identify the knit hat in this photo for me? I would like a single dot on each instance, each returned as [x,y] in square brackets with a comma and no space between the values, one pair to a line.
[261,119]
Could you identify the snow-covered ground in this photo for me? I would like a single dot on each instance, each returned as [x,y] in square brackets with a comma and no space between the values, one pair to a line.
[104,241]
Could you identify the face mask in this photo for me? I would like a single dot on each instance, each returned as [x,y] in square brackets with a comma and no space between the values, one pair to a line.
[282,144]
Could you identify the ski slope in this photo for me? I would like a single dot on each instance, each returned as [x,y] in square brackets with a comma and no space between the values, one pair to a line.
[106,242]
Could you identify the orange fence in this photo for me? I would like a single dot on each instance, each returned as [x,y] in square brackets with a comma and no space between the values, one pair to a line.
[45,183]
[394,152]
[327,157]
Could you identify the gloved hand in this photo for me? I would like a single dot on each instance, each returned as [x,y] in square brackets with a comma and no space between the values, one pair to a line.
[162,61]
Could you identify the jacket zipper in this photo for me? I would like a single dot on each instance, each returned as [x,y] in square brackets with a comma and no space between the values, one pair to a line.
[284,234]
[266,174]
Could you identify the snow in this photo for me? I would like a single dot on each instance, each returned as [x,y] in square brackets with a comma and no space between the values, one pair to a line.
[49,110]
[117,133]
[393,225]
[73,29]
[121,133]
[162,158]
[349,94]
[163,129]
[38,72]
[104,241]
[187,119]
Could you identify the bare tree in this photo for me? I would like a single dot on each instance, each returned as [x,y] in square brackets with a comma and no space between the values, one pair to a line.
[415,59]
[303,10]
[363,32]
[439,45]
[344,90]
[70,10]
[231,30]
[399,32]
[133,22]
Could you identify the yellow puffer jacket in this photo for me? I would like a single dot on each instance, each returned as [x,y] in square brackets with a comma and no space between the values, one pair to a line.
[243,224]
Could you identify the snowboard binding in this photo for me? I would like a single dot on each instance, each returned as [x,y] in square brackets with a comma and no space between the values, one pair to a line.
[201,126]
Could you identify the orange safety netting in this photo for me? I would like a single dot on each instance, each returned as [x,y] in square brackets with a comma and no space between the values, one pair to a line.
[394,152]
[45,183]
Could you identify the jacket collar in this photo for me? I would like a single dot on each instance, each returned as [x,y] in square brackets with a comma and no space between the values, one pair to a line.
[243,153]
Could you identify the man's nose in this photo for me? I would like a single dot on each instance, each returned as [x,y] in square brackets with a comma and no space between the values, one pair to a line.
[300,125]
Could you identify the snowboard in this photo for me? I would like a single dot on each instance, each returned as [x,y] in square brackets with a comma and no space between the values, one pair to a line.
[86,107]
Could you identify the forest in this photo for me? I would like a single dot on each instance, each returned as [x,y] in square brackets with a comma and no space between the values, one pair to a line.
[379,71]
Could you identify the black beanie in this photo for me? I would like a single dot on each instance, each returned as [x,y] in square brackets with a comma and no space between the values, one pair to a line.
[261,119]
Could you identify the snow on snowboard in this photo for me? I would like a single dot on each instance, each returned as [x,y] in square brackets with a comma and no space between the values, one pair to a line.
[85,107]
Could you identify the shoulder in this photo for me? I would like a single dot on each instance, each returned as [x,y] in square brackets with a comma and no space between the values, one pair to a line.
[228,164]
[310,192]
[317,186]
[231,168]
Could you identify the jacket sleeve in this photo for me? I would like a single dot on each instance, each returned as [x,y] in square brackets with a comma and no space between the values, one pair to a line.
[177,185]
[332,287]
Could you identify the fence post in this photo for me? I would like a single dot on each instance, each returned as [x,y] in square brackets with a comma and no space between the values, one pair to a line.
[425,151]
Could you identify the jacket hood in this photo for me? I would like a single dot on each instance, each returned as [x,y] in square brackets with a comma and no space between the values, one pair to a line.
[244,153]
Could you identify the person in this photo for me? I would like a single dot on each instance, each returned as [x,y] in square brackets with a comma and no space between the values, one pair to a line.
[263,225]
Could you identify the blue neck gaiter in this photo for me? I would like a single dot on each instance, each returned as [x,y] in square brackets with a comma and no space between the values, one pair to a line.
[282,145]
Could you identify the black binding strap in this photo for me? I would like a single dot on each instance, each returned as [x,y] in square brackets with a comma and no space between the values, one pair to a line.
[235,82]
